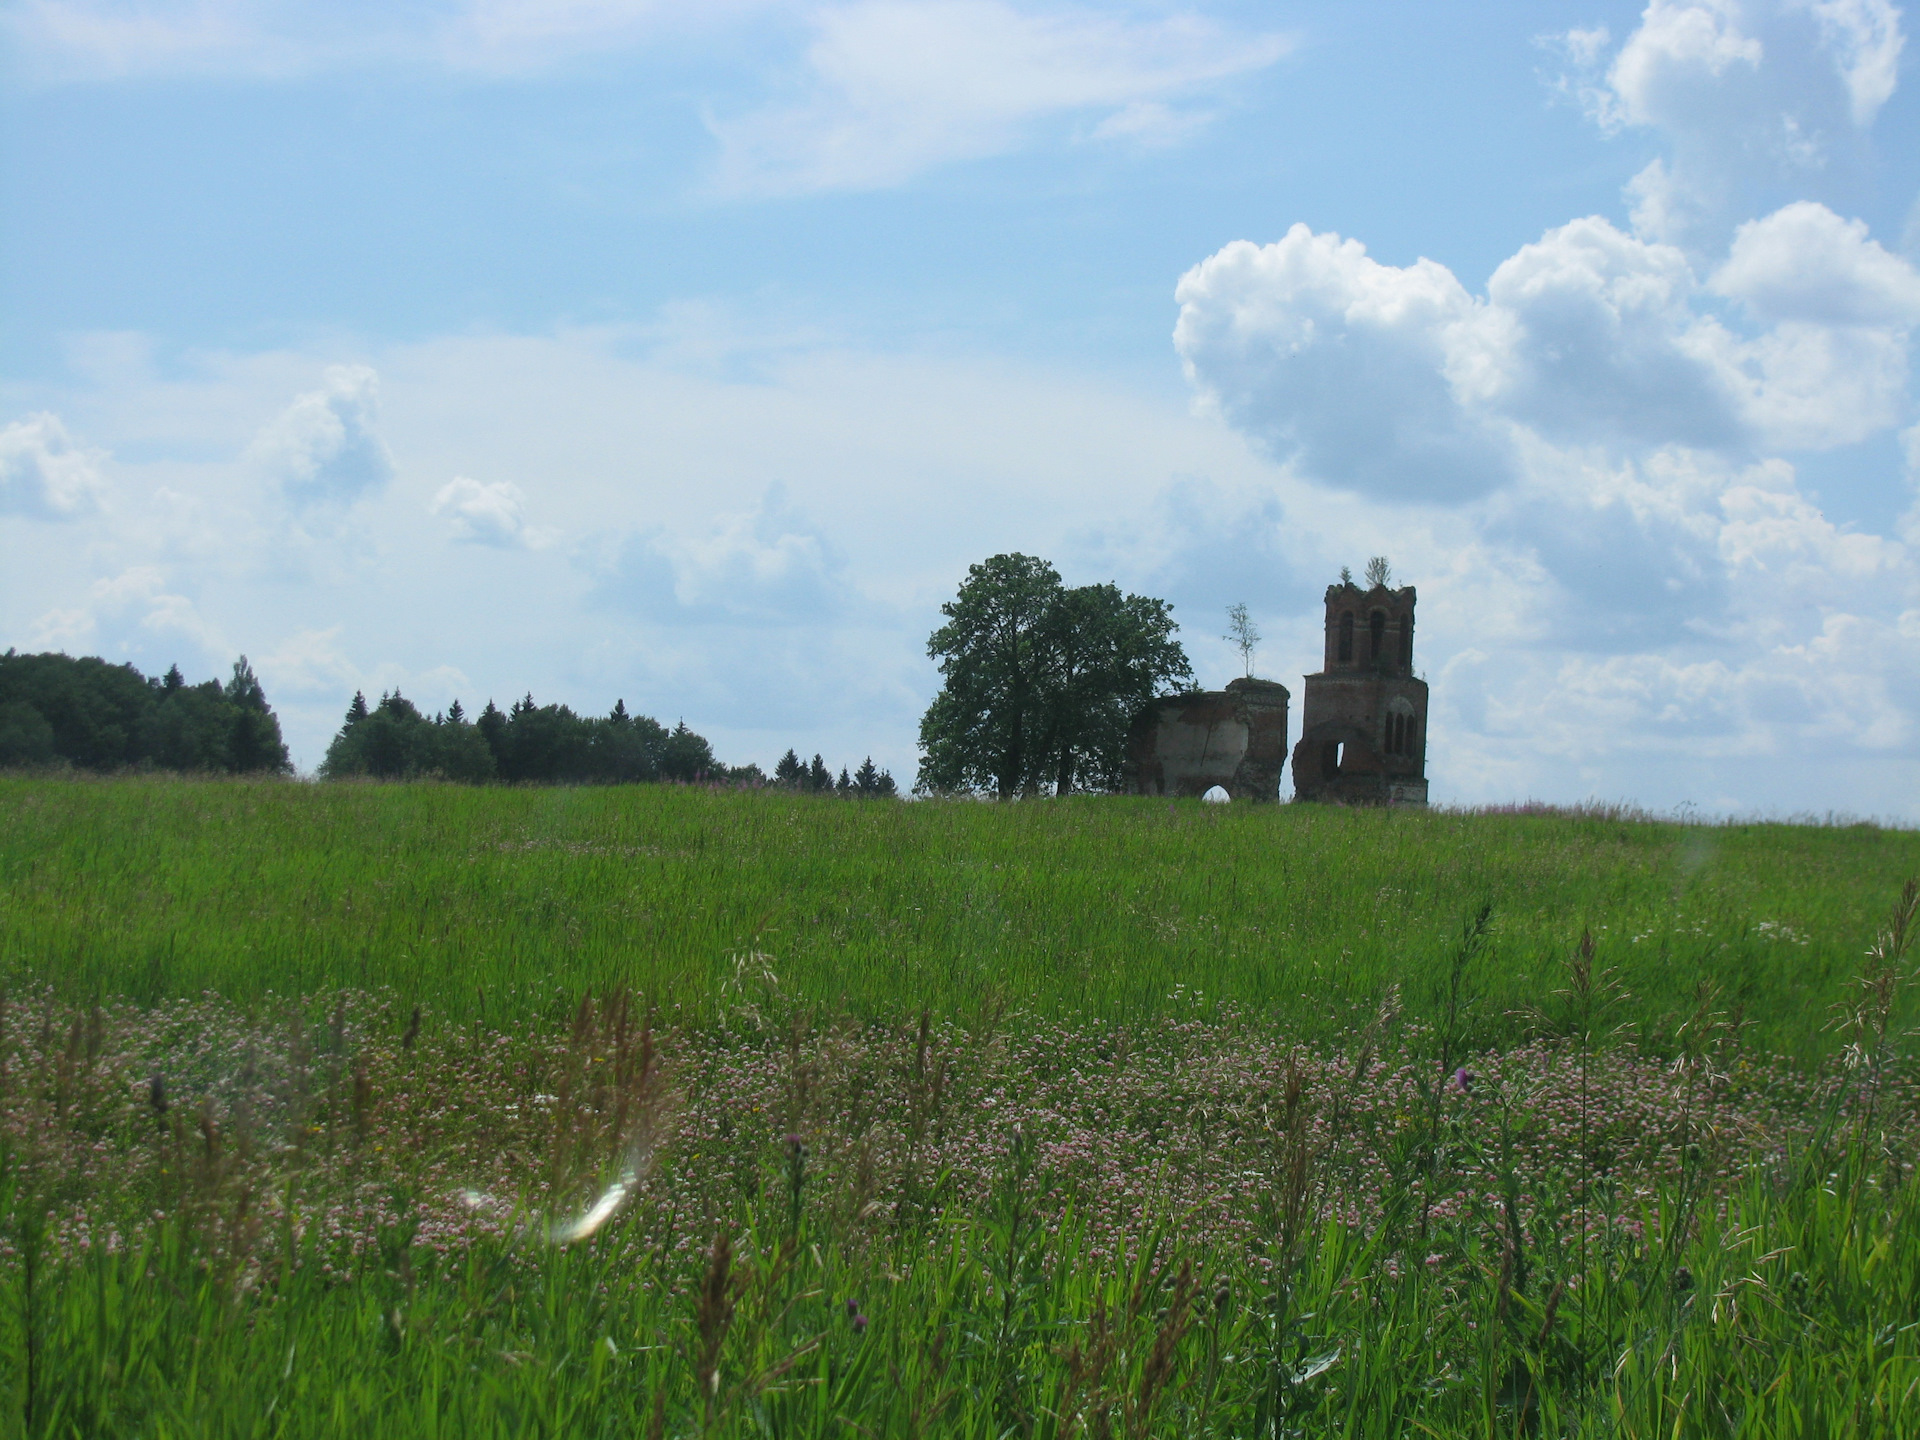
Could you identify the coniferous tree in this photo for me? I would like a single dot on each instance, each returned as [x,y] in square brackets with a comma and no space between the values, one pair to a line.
[819,778]
[253,740]
[844,786]
[394,741]
[530,744]
[492,726]
[791,771]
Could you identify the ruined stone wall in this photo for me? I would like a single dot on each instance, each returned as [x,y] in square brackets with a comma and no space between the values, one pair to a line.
[1234,738]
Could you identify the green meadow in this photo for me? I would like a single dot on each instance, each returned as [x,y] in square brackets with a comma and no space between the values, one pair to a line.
[500,904]
[363,1110]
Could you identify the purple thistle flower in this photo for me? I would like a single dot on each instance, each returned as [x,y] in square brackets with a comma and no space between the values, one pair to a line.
[1463,1079]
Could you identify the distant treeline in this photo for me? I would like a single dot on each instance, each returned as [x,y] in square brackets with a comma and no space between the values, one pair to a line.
[529,743]
[816,779]
[552,745]
[87,713]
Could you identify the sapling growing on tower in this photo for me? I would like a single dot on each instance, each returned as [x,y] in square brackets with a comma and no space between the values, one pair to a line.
[1243,634]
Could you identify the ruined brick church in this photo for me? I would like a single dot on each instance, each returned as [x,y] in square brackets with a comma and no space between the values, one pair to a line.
[1363,727]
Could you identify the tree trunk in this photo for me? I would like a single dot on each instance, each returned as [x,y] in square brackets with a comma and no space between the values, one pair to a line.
[1011,763]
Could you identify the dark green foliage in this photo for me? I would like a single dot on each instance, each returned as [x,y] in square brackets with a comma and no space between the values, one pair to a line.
[531,744]
[192,729]
[791,771]
[873,782]
[25,736]
[1109,654]
[1041,681]
[685,756]
[394,741]
[97,716]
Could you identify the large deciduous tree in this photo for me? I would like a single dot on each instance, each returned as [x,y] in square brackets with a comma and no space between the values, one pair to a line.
[1041,681]
[97,716]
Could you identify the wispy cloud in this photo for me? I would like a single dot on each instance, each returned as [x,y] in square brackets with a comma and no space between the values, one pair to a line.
[893,89]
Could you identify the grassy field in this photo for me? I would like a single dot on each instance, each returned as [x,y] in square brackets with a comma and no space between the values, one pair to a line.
[499,904]
[370,1111]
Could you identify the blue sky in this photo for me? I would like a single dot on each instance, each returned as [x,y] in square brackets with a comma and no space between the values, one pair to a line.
[687,355]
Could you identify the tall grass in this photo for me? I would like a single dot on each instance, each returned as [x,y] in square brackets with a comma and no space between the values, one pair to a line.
[503,905]
[218,1224]
[667,1113]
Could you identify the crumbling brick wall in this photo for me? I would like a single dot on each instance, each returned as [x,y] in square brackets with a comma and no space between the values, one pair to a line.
[1234,738]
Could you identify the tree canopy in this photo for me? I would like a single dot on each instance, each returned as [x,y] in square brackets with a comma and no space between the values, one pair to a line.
[1042,681]
[87,713]
[535,744]
[868,782]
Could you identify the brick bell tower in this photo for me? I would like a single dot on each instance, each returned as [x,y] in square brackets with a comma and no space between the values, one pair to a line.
[1363,736]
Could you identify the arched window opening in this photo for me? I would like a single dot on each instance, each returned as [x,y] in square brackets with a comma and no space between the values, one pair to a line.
[1217,795]
[1377,636]
[1412,725]
[1329,761]
[1346,636]
[1406,643]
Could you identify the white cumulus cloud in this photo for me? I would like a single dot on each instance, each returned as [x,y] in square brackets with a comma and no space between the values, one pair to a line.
[1804,263]
[43,474]
[1748,94]
[1396,381]
[493,513]
[1347,366]
[1592,338]
[326,446]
